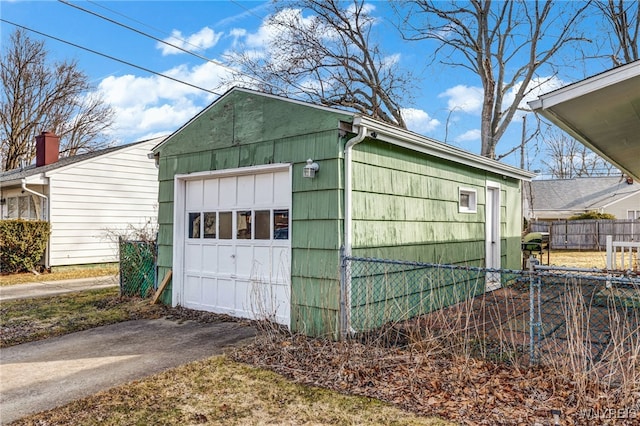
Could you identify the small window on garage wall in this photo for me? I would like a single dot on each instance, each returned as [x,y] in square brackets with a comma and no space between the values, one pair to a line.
[467,200]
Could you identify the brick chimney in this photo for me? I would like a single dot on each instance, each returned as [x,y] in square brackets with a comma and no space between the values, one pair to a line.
[47,148]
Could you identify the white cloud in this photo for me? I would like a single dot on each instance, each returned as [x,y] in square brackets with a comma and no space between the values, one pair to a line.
[464,98]
[537,87]
[154,104]
[419,121]
[469,136]
[202,40]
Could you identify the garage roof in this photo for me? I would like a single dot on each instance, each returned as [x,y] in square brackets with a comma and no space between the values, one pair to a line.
[603,113]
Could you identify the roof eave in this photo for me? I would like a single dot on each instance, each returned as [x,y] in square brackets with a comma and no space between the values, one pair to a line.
[410,140]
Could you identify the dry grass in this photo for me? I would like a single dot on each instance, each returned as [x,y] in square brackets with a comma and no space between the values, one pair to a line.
[61,273]
[215,391]
[218,391]
[26,320]
[577,259]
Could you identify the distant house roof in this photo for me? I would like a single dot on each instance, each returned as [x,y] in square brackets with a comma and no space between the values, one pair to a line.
[602,112]
[579,194]
[17,174]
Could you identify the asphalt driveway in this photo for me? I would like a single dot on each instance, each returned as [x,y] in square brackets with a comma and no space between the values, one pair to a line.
[42,375]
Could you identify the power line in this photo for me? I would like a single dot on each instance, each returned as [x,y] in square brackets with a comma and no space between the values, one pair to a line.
[110,57]
[204,58]
[113,21]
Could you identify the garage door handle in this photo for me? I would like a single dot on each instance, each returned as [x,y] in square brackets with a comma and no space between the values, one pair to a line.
[233,256]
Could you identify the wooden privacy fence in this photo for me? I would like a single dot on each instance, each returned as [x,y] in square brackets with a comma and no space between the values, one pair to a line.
[587,234]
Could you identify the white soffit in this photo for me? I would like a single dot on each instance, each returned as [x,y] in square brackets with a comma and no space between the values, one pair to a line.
[603,113]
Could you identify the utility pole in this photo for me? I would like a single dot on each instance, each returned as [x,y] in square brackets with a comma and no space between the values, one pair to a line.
[524,135]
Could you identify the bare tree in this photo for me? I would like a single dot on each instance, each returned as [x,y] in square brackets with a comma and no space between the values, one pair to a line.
[329,57]
[567,158]
[623,17]
[37,95]
[504,43]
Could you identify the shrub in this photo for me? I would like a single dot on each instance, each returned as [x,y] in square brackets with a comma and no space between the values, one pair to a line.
[592,215]
[22,244]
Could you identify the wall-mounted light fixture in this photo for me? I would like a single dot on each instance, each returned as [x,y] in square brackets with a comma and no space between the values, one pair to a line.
[310,169]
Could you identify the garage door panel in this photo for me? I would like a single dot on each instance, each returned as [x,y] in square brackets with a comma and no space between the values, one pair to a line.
[210,194]
[194,194]
[192,290]
[264,189]
[282,188]
[193,257]
[225,294]
[261,264]
[227,192]
[244,261]
[226,259]
[242,292]
[209,259]
[245,190]
[209,291]
[280,264]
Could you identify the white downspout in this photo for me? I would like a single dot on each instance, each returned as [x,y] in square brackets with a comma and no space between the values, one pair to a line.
[45,214]
[362,133]
[45,211]
[345,280]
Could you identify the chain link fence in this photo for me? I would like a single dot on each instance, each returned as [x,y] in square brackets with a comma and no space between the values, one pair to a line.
[584,311]
[531,314]
[138,272]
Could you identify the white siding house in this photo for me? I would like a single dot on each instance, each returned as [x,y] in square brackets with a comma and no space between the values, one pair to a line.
[89,199]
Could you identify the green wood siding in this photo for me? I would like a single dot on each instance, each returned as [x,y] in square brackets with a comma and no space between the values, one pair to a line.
[242,130]
[405,204]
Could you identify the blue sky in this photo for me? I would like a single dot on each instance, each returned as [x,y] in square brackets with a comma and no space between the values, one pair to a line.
[446,105]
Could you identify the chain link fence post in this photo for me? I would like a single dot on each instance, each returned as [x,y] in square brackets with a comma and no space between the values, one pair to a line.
[345,296]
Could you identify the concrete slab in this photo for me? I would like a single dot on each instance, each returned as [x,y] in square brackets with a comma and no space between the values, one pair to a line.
[42,375]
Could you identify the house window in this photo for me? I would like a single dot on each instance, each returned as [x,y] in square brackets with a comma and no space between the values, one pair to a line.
[633,214]
[467,200]
[21,207]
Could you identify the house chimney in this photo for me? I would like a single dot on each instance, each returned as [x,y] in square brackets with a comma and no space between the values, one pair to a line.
[47,147]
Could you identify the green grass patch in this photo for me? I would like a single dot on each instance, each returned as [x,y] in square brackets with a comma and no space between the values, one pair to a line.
[218,391]
[26,320]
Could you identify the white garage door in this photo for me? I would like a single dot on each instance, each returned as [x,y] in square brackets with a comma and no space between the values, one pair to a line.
[237,245]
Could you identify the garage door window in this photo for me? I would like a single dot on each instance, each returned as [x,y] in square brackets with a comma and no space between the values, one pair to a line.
[262,229]
[281,224]
[225,226]
[243,231]
[249,225]
[210,224]
[194,225]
